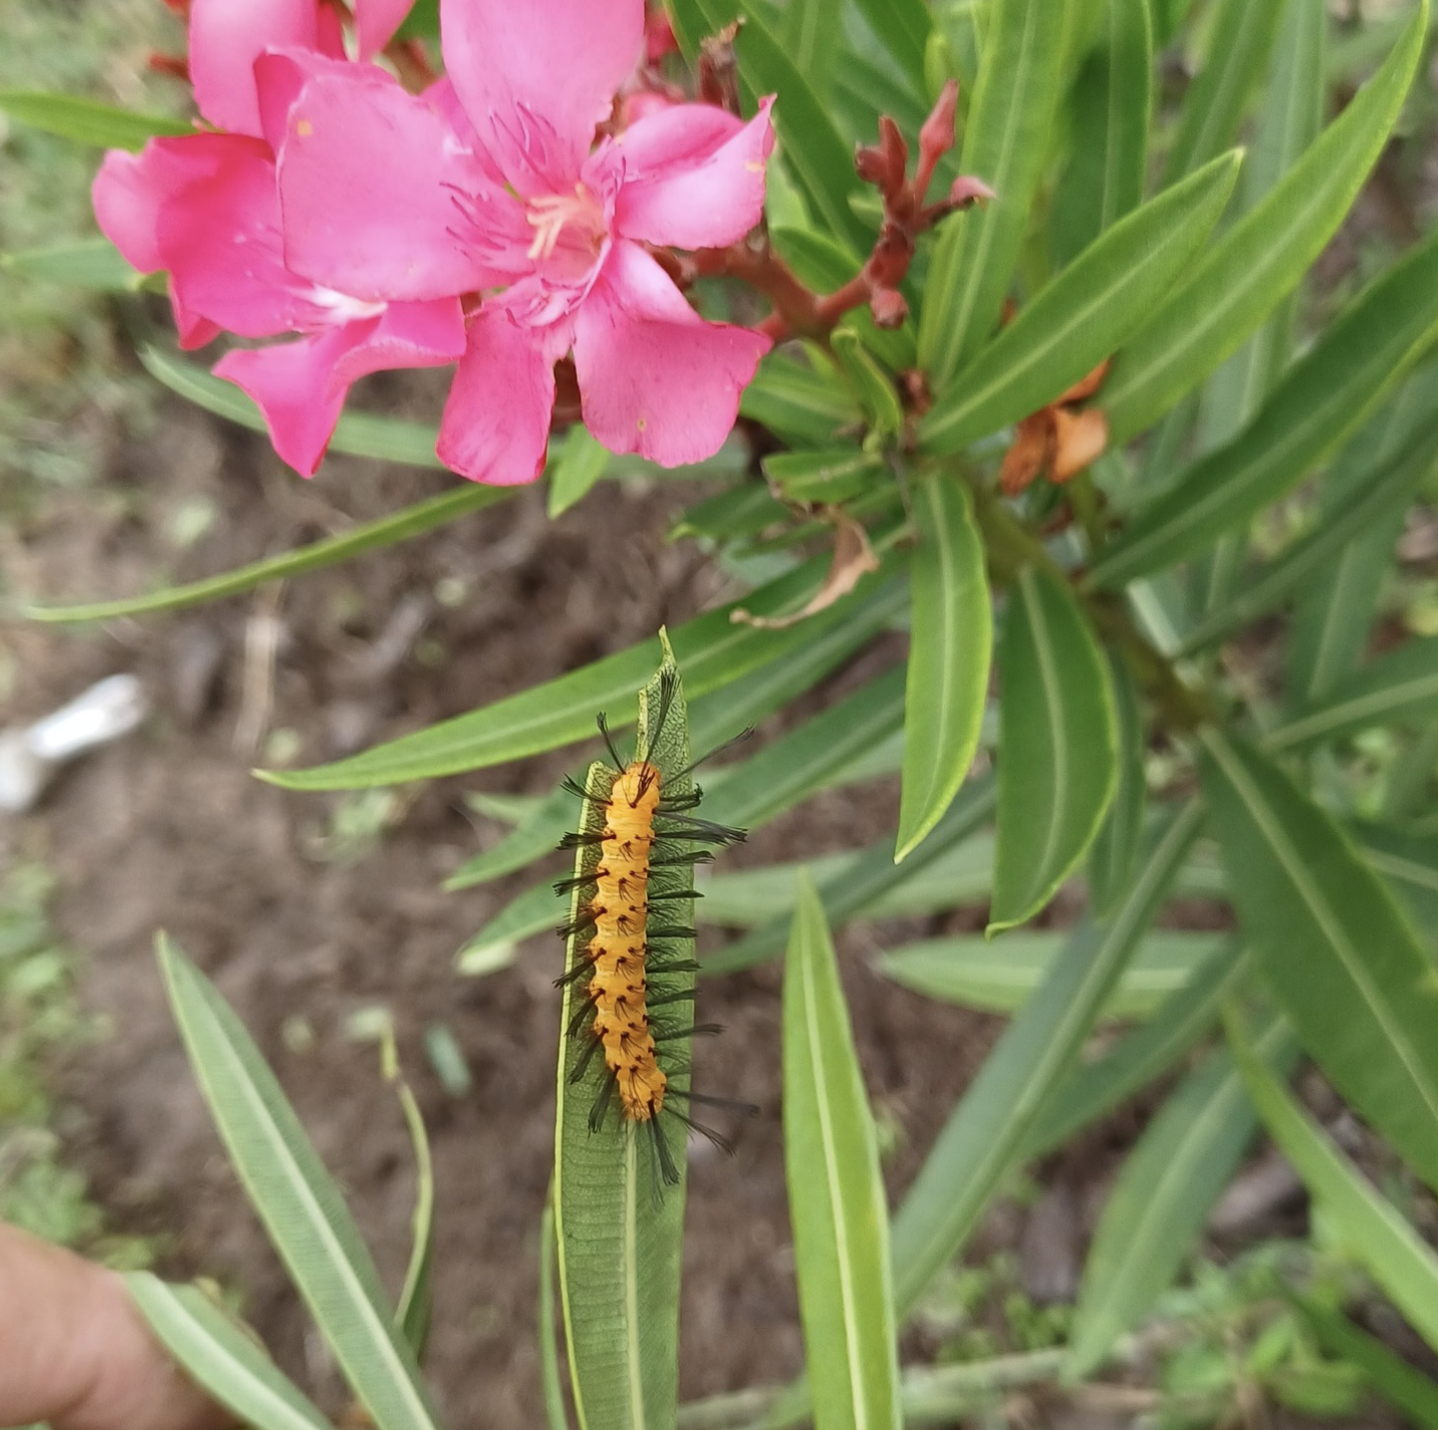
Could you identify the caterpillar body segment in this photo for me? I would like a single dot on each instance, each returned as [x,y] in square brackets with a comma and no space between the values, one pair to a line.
[631,972]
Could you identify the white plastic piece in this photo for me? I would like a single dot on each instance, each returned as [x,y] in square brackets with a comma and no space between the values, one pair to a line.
[28,758]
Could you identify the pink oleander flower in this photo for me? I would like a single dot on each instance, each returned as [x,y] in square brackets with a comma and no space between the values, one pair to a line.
[492,186]
[205,207]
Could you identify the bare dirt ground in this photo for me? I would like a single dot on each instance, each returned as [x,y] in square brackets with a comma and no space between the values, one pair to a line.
[170,830]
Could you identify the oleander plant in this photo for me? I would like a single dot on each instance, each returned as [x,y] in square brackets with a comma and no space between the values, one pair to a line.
[998,323]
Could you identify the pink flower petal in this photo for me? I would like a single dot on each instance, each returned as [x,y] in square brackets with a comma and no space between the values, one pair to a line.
[293,385]
[496,422]
[407,335]
[130,189]
[220,239]
[280,75]
[654,376]
[536,77]
[301,387]
[690,180]
[382,200]
[376,21]
[227,37]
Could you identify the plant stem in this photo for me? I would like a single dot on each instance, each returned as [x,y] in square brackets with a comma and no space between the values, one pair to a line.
[1011,546]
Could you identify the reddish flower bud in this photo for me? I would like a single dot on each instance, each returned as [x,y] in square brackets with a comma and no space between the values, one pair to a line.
[889,308]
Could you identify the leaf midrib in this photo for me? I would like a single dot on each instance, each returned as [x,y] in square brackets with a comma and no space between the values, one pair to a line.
[1322,914]
[853,1339]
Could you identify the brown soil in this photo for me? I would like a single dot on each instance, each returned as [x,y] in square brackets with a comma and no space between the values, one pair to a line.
[171,831]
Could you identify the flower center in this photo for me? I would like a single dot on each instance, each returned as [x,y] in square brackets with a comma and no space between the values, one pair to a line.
[576,219]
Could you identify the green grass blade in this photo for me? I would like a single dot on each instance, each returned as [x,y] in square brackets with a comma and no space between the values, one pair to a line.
[836,1195]
[93,263]
[1239,42]
[417,1294]
[619,1252]
[1156,1212]
[1005,145]
[221,1356]
[1094,1089]
[1371,1228]
[403,525]
[1324,397]
[1403,1387]
[1000,975]
[1333,945]
[1058,746]
[950,651]
[1262,258]
[714,649]
[1400,685]
[297,1201]
[390,439]
[87,122]
[1084,314]
[985,1134]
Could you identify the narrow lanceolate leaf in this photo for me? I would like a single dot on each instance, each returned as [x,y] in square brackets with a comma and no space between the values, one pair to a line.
[93,263]
[862,883]
[1372,1228]
[903,27]
[87,122]
[1094,1089]
[1115,850]
[1113,102]
[1156,1212]
[812,38]
[1406,1389]
[1239,41]
[1005,144]
[1339,602]
[1248,272]
[1324,397]
[222,1357]
[1058,746]
[580,464]
[297,1201]
[1084,314]
[836,1195]
[620,1238]
[791,768]
[950,650]
[390,439]
[1400,685]
[1365,527]
[1000,975]
[1289,119]
[403,525]
[1336,949]
[989,1129]
[713,648]
[417,1294]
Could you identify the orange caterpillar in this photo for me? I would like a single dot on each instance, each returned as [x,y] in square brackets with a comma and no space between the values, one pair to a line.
[629,962]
